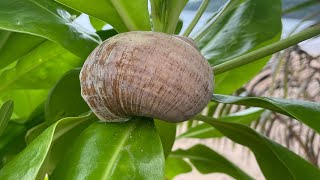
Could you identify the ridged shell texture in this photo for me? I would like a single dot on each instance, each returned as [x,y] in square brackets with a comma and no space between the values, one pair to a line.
[146,74]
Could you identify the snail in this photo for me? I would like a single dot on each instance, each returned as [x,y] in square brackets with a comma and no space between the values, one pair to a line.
[146,74]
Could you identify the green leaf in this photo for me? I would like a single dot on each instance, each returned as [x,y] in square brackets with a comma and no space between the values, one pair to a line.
[47,19]
[11,142]
[238,28]
[36,120]
[301,6]
[167,133]
[12,130]
[208,161]
[46,177]
[36,117]
[97,23]
[65,98]
[304,111]
[27,82]
[206,131]
[6,111]
[39,69]
[165,14]
[28,164]
[275,161]
[176,166]
[105,34]
[123,15]
[130,150]
[179,27]
[4,35]
[25,101]
[16,45]
[58,149]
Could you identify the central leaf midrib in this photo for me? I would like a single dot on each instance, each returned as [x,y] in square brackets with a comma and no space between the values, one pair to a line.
[115,156]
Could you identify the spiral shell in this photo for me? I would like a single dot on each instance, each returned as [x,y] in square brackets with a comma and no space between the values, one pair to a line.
[146,74]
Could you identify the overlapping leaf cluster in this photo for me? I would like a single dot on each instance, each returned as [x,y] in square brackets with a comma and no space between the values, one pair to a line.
[50,132]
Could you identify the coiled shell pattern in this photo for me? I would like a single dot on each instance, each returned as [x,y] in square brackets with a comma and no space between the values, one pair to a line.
[146,74]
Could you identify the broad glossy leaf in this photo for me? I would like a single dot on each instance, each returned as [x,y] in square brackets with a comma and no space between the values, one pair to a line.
[167,133]
[208,161]
[28,164]
[39,69]
[17,45]
[47,19]
[228,82]
[34,132]
[58,149]
[239,27]
[304,111]
[130,150]
[248,24]
[176,166]
[96,23]
[33,75]
[27,82]
[123,15]
[11,142]
[6,111]
[105,34]
[300,6]
[13,129]
[4,35]
[65,99]
[207,131]
[25,101]
[36,119]
[275,161]
[165,14]
[179,27]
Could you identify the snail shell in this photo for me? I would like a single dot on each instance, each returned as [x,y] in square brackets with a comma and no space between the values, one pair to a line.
[146,74]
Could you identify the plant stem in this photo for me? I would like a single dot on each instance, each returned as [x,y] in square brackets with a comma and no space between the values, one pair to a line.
[300,6]
[267,50]
[217,17]
[196,18]
[126,18]
[156,16]
[212,108]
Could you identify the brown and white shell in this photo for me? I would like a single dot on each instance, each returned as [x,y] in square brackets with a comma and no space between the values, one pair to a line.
[146,74]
